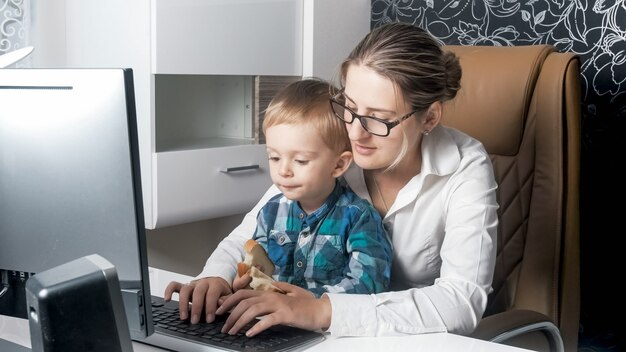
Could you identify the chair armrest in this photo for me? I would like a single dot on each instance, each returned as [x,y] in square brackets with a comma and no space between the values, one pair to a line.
[506,325]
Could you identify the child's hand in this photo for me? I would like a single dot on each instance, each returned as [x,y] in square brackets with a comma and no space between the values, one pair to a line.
[255,271]
[242,282]
[251,277]
[255,256]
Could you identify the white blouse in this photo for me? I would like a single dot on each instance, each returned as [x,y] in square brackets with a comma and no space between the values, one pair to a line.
[442,226]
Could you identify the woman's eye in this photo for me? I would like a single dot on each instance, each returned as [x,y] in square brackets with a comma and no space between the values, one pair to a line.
[273,158]
[302,162]
[381,117]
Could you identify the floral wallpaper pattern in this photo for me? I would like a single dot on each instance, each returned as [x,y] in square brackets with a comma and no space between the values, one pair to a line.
[596,30]
[14,25]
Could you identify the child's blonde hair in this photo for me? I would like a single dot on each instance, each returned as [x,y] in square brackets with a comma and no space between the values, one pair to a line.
[307,101]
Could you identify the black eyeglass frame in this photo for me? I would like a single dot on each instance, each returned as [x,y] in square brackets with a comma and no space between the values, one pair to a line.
[389,124]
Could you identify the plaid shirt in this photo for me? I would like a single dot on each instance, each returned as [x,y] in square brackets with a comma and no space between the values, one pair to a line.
[341,247]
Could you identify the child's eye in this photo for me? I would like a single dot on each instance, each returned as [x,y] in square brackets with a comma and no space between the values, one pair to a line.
[302,162]
[273,158]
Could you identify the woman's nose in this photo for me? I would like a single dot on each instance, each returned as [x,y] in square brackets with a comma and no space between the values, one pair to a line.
[356,130]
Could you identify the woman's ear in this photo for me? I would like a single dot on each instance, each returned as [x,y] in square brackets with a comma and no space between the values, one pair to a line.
[433,116]
[343,162]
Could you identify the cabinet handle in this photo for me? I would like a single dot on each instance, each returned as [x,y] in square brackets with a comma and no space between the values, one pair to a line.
[239,168]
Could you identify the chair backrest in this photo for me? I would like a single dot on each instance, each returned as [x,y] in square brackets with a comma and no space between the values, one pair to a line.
[523,104]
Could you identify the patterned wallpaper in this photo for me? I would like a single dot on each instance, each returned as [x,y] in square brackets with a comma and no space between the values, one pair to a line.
[596,30]
[14,24]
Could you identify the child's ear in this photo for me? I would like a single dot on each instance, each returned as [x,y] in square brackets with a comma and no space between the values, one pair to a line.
[343,162]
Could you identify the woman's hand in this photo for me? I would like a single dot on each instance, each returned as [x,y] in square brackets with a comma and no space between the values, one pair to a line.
[298,307]
[203,293]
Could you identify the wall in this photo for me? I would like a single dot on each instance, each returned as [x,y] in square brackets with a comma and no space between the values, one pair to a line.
[596,30]
[185,248]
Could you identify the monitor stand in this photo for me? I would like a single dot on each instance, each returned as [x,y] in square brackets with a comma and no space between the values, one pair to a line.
[7,346]
[13,294]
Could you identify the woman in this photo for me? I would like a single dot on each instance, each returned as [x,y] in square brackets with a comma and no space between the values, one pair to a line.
[433,185]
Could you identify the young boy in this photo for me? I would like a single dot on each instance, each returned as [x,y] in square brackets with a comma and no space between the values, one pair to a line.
[320,235]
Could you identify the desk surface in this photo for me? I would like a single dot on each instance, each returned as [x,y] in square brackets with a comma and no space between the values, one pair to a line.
[16,330]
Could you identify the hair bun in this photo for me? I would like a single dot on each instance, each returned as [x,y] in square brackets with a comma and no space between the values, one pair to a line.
[454,72]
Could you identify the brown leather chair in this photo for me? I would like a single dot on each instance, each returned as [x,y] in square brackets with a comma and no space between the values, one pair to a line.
[523,103]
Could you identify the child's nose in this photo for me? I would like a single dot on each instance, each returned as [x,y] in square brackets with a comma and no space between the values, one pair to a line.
[285,169]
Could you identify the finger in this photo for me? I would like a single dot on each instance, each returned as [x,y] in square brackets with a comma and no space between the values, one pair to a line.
[172,287]
[234,299]
[246,311]
[184,294]
[263,324]
[213,294]
[242,282]
[217,289]
[198,300]
[221,300]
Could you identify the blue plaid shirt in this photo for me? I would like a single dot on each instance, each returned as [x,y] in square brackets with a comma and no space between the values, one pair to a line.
[341,247]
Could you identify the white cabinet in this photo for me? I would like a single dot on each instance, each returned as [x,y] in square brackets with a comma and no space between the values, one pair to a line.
[199,68]
[227,37]
[193,183]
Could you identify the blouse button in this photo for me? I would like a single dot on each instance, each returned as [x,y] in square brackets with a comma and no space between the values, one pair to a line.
[299,264]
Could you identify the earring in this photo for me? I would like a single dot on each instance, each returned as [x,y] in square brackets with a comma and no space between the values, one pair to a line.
[426,132]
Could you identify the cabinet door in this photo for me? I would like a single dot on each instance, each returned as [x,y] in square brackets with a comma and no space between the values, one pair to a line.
[242,37]
[200,184]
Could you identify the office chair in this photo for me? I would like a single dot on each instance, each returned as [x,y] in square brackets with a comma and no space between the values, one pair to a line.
[523,104]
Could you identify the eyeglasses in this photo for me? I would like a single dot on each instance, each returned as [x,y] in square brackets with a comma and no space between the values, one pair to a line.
[371,124]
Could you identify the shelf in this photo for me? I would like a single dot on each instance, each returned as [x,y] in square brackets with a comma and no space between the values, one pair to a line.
[202,143]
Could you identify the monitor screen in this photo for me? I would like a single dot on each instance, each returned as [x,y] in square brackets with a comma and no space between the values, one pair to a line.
[69,181]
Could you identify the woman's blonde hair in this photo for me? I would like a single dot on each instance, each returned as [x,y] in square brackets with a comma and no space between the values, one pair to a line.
[413,60]
[307,101]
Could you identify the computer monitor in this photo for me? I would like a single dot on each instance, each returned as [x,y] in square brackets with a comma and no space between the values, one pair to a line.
[70,182]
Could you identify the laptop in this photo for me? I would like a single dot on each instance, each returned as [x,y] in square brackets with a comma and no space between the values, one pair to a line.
[172,333]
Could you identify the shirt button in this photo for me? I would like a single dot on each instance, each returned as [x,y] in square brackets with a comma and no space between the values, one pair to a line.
[305,233]
[281,239]
[301,216]
[299,264]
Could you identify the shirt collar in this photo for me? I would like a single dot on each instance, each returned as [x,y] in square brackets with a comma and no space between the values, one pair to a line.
[321,212]
[440,152]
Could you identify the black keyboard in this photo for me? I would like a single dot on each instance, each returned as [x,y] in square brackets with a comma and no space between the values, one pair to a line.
[278,338]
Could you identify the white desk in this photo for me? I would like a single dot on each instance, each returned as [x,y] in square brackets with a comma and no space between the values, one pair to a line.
[16,330]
